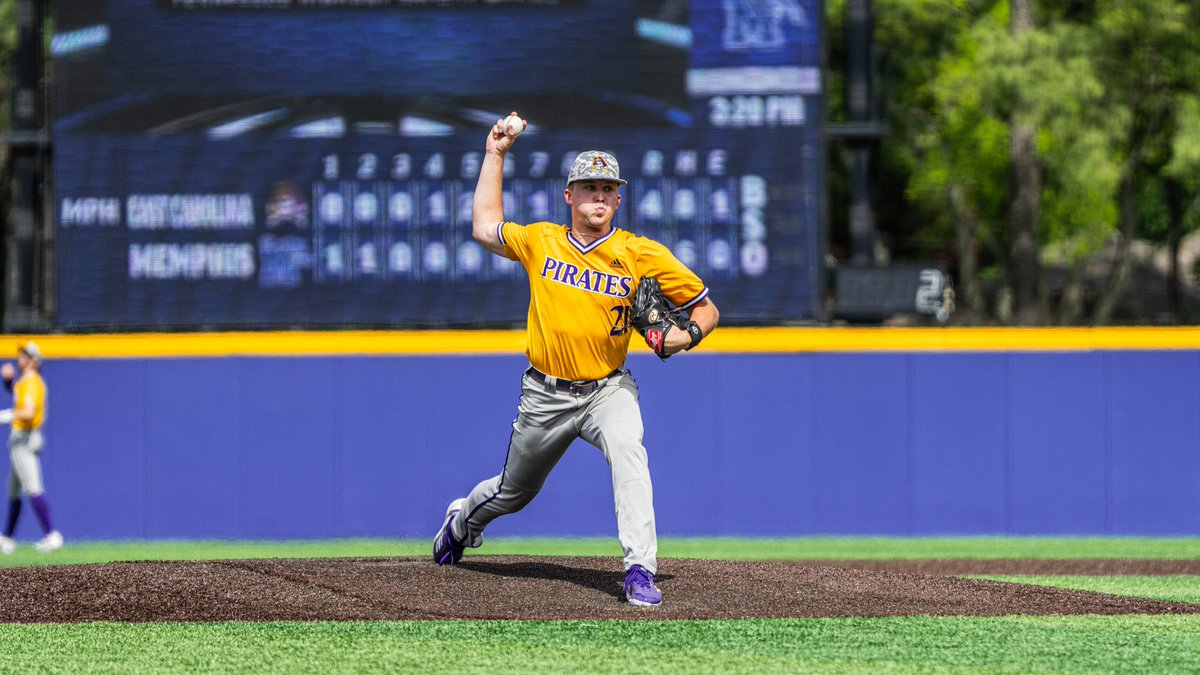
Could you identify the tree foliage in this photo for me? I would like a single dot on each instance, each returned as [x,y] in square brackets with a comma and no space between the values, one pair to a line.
[8,41]
[1113,90]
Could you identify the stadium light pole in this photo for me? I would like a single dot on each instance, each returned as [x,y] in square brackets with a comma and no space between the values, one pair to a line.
[860,98]
[25,271]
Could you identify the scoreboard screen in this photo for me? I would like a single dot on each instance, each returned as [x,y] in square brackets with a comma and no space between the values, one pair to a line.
[274,163]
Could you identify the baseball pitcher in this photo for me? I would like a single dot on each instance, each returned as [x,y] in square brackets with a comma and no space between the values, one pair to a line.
[582,278]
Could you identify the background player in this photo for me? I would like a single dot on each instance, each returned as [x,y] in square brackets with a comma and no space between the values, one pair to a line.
[25,443]
[580,280]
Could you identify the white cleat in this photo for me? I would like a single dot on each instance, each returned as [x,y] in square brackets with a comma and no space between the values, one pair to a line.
[7,545]
[50,542]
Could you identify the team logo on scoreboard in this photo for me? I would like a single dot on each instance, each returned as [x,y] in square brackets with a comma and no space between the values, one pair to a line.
[286,206]
[759,24]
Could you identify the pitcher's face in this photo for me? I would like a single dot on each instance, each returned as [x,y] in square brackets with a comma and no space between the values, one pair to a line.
[593,202]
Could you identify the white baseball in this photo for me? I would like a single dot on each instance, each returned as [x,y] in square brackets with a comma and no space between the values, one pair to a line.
[513,126]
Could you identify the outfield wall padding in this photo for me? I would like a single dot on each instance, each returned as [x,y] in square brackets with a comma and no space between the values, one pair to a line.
[956,443]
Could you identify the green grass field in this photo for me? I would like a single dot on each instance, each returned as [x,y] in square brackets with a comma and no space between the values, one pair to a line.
[1155,644]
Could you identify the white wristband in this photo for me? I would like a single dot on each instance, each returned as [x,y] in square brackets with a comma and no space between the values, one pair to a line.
[6,416]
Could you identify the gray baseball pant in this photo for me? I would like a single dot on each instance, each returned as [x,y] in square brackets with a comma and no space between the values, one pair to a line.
[548,420]
[26,473]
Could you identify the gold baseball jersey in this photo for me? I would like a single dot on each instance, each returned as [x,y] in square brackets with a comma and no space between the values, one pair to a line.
[578,326]
[30,388]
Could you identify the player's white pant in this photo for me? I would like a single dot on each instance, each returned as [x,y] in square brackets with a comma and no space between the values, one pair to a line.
[548,420]
[26,474]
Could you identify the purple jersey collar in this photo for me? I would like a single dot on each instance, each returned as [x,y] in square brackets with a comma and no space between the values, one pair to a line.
[592,246]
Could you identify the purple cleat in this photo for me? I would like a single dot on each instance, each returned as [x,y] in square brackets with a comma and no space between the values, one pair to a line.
[447,551]
[640,589]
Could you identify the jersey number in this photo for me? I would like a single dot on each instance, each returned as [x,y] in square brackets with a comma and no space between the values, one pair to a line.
[622,322]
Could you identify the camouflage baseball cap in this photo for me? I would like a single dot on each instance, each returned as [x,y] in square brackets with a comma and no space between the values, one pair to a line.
[595,165]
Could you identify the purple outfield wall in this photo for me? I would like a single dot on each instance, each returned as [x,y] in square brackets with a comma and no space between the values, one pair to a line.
[1086,442]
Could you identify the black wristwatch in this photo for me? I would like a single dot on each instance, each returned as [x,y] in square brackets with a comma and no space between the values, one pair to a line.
[693,329]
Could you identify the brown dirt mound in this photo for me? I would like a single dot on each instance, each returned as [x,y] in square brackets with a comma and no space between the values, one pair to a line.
[514,587]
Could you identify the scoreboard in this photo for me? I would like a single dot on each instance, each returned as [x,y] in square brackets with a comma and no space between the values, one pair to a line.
[300,163]
[416,224]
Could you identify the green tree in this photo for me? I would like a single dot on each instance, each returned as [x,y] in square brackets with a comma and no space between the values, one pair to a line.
[1026,176]
[1102,98]
[1044,80]
[957,153]
[1040,83]
[1146,57]
[1147,54]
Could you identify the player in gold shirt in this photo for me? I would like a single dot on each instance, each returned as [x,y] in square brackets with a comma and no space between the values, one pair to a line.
[581,278]
[25,443]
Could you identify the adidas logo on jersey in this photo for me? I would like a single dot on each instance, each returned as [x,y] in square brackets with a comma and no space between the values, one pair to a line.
[616,264]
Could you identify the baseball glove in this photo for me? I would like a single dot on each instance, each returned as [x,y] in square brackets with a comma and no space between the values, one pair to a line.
[653,317]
